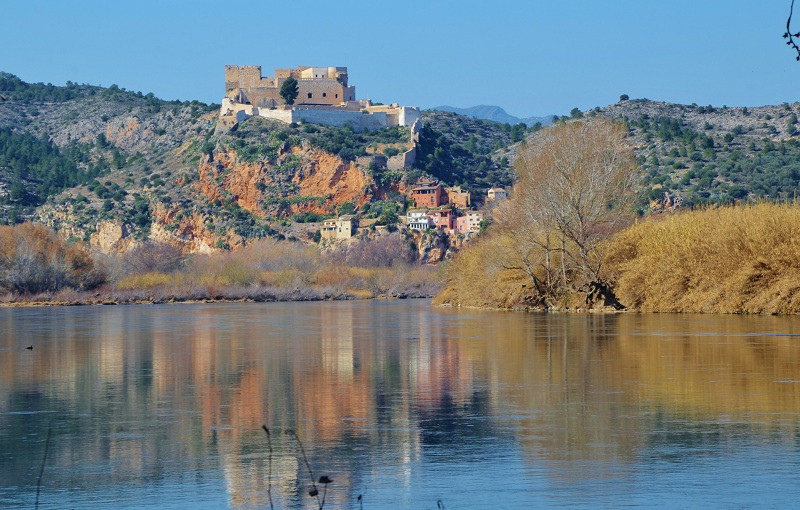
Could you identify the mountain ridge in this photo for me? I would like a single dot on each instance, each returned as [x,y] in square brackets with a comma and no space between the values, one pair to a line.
[112,164]
[494,113]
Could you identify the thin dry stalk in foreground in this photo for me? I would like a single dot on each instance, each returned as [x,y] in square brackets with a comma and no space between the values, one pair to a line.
[269,472]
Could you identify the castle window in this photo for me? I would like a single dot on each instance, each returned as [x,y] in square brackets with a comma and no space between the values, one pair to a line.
[337,96]
[309,95]
[324,94]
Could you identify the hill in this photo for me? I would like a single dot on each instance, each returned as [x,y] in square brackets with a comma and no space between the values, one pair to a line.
[112,166]
[695,155]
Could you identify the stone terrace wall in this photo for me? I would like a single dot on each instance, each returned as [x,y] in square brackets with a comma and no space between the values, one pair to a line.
[360,121]
[403,160]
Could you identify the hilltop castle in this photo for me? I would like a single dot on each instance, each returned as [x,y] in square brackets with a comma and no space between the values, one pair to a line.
[316,86]
[324,97]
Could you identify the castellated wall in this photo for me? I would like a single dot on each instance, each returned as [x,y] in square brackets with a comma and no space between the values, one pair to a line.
[408,116]
[245,77]
[326,115]
[316,85]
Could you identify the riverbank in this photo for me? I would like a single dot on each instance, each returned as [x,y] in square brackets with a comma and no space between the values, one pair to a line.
[38,267]
[742,259]
[234,295]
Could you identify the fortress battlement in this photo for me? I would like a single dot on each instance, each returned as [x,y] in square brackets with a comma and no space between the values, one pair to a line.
[324,97]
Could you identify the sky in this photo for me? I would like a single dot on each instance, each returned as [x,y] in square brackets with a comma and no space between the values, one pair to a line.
[532,57]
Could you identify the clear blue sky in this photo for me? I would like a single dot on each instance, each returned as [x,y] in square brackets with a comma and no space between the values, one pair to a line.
[531,57]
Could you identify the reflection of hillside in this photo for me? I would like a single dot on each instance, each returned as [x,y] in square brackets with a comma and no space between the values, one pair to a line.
[597,383]
[370,381]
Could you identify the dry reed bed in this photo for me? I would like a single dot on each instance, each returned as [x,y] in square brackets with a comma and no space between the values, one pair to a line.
[737,259]
[740,259]
[266,270]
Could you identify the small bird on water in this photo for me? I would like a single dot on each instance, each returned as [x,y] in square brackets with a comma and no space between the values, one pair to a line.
[30,347]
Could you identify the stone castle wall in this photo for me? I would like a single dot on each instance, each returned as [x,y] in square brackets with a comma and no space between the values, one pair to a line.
[323,91]
[362,119]
[316,85]
[403,160]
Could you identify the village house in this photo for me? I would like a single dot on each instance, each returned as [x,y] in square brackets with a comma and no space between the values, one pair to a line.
[339,228]
[427,194]
[443,218]
[458,197]
[469,223]
[496,194]
[419,219]
[433,194]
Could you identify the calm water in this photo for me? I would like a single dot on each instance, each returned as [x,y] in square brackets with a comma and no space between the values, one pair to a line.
[402,403]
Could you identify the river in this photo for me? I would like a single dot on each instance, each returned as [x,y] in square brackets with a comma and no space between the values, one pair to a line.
[400,403]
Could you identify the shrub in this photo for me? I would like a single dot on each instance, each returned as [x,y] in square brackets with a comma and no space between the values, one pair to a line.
[153,256]
[383,251]
[34,259]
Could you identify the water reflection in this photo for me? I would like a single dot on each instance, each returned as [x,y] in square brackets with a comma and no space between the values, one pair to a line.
[393,400]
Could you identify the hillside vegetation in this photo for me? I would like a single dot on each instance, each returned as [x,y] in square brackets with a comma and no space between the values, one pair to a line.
[699,155]
[464,151]
[555,245]
[57,139]
[114,167]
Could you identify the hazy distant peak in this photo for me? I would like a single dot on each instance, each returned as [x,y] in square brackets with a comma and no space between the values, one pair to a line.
[493,113]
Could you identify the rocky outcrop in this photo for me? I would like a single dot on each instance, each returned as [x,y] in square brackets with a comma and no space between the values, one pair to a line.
[111,237]
[301,179]
[433,247]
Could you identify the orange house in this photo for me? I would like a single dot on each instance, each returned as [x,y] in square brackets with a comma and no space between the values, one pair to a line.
[428,195]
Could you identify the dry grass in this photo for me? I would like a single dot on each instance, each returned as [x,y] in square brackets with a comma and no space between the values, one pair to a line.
[479,276]
[147,281]
[743,259]
[266,270]
[270,270]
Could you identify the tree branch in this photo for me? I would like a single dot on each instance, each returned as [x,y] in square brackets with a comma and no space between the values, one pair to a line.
[790,36]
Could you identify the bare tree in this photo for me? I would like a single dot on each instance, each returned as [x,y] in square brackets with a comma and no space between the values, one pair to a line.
[34,259]
[153,256]
[789,36]
[576,187]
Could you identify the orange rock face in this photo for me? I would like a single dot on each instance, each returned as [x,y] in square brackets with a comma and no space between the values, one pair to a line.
[288,186]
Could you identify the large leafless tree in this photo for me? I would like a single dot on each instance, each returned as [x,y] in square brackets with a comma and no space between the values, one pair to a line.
[576,187]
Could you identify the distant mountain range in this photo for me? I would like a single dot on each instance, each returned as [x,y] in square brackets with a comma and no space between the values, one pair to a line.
[494,113]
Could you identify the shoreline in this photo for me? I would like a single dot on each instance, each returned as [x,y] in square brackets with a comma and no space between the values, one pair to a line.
[172,299]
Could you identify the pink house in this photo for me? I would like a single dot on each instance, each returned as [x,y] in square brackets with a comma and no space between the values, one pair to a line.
[443,218]
[470,222]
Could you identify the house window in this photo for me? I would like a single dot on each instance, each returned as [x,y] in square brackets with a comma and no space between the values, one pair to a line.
[309,95]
